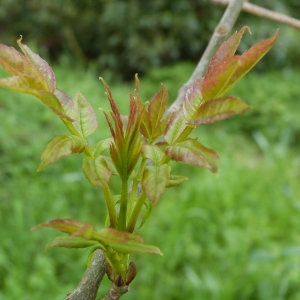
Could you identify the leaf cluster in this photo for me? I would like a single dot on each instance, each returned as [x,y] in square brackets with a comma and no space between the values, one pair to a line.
[141,144]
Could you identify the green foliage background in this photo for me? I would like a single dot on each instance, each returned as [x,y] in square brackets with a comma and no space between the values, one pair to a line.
[132,36]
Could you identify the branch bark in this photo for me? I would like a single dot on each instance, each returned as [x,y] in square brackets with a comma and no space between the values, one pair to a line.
[88,286]
[265,13]
[221,32]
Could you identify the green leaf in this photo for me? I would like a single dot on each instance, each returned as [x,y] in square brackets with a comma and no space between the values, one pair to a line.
[61,146]
[85,118]
[96,171]
[153,153]
[64,225]
[193,153]
[175,127]
[100,146]
[66,103]
[154,182]
[219,109]
[149,208]
[124,242]
[157,107]
[192,99]
[176,180]
[72,242]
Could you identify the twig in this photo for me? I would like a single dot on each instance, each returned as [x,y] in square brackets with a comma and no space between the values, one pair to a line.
[88,286]
[219,36]
[265,13]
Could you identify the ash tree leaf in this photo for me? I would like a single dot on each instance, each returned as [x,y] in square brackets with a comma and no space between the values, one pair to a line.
[176,180]
[63,225]
[193,153]
[124,242]
[149,208]
[228,48]
[45,72]
[157,108]
[60,146]
[250,58]
[100,146]
[66,103]
[175,127]
[85,117]
[96,171]
[155,180]
[192,99]
[219,109]
[153,153]
[72,242]
[213,86]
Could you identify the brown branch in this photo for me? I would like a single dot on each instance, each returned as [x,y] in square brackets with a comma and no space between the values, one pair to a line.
[221,32]
[265,13]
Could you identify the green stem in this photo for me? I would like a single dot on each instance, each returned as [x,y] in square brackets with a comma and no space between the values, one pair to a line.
[110,207]
[123,206]
[136,212]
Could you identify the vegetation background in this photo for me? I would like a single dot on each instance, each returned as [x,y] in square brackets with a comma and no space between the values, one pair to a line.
[231,237]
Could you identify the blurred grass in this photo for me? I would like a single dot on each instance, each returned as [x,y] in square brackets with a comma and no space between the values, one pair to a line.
[235,236]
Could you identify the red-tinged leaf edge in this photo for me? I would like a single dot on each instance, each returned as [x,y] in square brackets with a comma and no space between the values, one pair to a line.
[219,109]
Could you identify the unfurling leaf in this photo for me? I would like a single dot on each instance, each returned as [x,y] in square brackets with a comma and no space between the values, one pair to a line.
[60,146]
[96,171]
[219,109]
[72,242]
[155,180]
[85,118]
[193,153]
[149,208]
[176,180]
[153,153]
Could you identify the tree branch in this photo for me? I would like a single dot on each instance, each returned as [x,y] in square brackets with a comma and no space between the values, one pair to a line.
[265,13]
[88,286]
[221,32]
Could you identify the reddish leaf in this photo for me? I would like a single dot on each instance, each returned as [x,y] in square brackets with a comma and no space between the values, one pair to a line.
[46,74]
[219,109]
[64,225]
[85,118]
[250,58]
[61,146]
[157,107]
[193,153]
[154,182]
[228,48]
[192,99]
[214,86]
[66,103]
[96,171]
